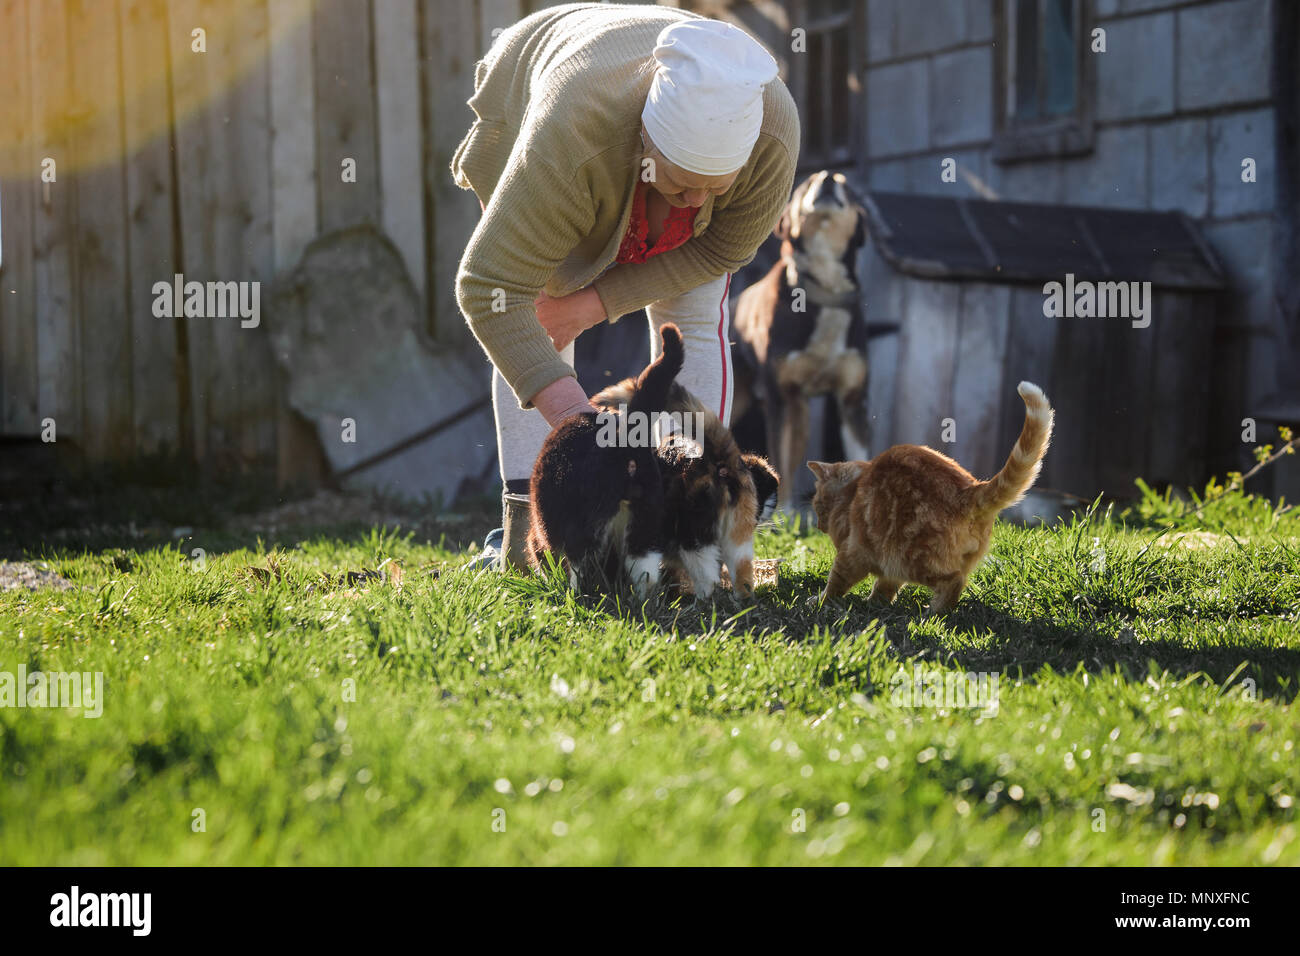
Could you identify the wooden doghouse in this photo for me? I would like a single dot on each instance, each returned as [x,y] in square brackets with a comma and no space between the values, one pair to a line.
[966,280]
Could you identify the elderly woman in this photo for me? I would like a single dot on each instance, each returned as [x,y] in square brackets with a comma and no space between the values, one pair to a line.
[626,157]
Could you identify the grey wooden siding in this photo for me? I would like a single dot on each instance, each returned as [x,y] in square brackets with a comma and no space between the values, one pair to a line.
[222,166]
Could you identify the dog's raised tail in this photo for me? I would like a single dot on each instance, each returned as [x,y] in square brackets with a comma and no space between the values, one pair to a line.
[1021,470]
[655,382]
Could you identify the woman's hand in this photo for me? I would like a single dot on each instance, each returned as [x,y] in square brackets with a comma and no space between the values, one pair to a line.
[567,317]
[560,400]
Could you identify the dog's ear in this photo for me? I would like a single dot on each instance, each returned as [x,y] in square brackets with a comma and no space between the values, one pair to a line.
[852,195]
[860,209]
[860,230]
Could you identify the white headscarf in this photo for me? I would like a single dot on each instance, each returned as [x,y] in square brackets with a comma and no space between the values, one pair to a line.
[705,105]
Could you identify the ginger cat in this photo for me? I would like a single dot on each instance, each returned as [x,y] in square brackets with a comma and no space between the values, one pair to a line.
[914,515]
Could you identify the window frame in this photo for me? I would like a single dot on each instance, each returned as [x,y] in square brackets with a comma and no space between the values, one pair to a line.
[1070,135]
[852,21]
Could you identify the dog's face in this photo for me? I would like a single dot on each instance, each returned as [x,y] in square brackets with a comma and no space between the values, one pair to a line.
[825,206]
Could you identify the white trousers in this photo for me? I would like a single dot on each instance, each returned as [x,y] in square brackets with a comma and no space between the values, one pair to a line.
[704,317]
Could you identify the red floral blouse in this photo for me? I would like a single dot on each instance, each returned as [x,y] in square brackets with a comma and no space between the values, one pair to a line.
[678,227]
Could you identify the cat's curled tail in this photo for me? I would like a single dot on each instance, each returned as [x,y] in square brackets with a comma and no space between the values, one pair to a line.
[1019,473]
[650,394]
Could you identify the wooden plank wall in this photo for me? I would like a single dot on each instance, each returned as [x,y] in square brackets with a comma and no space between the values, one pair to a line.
[107,367]
[1129,402]
[221,165]
[224,165]
[56,310]
[19,178]
[151,238]
[978,391]
[447,54]
[397,88]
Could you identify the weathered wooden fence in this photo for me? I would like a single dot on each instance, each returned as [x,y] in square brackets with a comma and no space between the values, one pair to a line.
[140,139]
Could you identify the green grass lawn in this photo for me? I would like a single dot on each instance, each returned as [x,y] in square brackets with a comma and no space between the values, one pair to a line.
[1144,710]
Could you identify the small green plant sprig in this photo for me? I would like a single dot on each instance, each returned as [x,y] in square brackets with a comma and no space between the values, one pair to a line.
[1227,498]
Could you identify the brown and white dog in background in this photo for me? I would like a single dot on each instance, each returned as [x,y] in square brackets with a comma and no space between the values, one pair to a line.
[801,331]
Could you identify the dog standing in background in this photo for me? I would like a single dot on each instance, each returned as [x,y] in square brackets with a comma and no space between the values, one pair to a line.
[800,329]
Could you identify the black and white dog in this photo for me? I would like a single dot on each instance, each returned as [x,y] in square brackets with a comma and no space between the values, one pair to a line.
[801,330]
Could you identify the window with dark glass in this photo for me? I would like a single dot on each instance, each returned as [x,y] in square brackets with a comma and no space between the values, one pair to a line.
[1043,91]
[824,79]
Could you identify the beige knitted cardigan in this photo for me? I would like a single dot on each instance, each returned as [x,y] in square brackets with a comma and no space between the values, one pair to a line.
[555,155]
